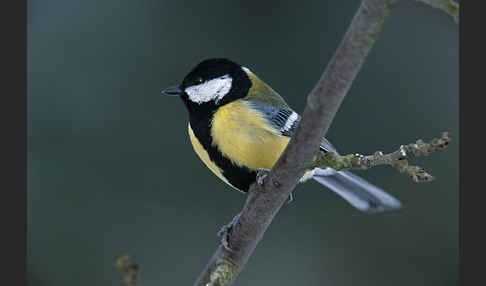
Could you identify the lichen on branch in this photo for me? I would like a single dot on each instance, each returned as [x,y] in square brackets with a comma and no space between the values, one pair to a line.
[223,273]
[396,159]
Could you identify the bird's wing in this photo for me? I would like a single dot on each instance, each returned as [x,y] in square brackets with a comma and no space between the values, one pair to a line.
[262,93]
[284,120]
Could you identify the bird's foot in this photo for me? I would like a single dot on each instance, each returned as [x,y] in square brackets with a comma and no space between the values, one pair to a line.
[262,173]
[223,233]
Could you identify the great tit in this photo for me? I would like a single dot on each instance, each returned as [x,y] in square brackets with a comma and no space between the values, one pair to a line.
[238,125]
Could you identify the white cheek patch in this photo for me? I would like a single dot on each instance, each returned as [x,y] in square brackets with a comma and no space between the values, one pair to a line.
[214,89]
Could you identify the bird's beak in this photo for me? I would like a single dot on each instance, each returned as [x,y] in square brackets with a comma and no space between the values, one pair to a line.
[172,91]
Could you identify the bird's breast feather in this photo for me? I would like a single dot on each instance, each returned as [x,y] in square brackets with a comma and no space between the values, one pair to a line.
[245,136]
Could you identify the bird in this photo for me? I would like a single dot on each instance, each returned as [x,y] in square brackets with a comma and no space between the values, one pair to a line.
[239,125]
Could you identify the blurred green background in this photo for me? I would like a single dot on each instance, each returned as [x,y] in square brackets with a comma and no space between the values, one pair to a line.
[111,170]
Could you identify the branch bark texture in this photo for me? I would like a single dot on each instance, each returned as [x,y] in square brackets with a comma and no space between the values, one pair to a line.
[265,200]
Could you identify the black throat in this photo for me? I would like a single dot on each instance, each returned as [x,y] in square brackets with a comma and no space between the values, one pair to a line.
[238,176]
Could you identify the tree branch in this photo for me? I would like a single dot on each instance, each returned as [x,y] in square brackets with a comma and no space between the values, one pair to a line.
[450,7]
[395,159]
[265,200]
[129,271]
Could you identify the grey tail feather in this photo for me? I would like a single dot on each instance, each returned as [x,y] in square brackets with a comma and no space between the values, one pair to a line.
[357,191]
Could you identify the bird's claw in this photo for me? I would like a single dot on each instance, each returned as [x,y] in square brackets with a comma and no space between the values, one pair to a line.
[262,173]
[223,233]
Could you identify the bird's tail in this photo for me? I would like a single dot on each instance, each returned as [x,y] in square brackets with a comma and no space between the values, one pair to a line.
[355,190]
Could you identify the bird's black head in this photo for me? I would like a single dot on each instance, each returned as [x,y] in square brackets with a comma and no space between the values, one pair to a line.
[211,84]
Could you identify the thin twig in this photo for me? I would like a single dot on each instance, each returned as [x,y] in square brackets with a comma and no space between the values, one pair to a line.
[129,271]
[450,7]
[396,159]
[264,201]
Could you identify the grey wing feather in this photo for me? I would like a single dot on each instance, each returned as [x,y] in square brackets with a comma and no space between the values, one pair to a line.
[286,121]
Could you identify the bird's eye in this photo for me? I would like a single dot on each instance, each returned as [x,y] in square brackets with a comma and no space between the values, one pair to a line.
[199,80]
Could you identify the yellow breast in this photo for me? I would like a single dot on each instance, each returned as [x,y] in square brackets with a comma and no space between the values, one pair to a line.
[245,137]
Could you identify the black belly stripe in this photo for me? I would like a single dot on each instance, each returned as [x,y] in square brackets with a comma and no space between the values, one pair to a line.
[240,177]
